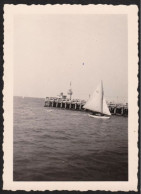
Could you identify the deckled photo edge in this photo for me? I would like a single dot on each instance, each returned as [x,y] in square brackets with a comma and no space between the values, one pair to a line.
[131,184]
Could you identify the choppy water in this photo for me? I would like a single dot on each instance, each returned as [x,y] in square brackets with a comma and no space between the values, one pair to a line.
[65,145]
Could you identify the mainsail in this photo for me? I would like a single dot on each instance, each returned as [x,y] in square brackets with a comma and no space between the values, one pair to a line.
[97,102]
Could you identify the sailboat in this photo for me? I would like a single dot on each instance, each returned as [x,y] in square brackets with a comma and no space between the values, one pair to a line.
[97,104]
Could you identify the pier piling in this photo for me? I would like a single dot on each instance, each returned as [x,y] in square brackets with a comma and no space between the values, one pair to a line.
[115,109]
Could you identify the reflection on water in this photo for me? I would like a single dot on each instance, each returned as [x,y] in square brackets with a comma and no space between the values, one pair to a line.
[52,144]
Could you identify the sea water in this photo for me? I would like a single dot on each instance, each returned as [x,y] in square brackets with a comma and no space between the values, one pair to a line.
[52,144]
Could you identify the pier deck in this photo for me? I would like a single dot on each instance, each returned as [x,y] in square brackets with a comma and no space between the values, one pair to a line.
[115,109]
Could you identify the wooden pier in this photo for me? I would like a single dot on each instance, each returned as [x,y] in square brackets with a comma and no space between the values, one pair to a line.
[115,109]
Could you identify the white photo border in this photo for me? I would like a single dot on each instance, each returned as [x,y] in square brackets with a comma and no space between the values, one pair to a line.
[132,13]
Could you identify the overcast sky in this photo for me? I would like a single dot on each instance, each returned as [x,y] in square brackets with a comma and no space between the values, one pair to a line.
[52,50]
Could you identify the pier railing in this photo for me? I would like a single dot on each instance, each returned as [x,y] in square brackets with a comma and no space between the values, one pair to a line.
[76,104]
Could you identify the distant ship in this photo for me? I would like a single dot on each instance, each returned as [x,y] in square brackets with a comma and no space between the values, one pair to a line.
[97,104]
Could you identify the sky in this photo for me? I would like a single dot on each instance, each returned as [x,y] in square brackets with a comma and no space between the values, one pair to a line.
[51,50]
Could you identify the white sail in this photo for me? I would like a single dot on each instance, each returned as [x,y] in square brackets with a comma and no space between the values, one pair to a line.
[105,107]
[95,101]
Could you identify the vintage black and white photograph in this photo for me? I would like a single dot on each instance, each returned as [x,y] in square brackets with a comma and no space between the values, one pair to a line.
[70,75]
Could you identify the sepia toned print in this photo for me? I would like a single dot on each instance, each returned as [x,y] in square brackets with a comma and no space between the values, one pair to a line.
[70,97]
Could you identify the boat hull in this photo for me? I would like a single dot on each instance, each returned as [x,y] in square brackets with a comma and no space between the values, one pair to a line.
[99,117]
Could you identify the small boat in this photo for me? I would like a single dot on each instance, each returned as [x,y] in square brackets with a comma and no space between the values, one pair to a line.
[99,116]
[97,104]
